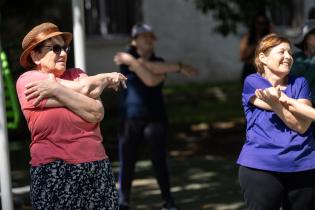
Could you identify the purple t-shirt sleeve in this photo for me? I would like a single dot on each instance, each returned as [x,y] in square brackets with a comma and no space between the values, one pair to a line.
[252,83]
[303,89]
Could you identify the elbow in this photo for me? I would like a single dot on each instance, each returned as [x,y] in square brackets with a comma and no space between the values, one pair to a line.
[96,115]
[99,116]
[301,131]
[153,82]
[302,128]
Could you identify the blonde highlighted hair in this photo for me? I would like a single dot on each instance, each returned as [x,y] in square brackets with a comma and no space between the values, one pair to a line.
[265,45]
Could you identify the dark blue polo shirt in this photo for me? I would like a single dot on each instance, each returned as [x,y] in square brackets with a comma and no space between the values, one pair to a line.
[139,101]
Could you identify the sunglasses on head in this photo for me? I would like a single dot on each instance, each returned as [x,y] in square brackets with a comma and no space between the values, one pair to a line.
[57,48]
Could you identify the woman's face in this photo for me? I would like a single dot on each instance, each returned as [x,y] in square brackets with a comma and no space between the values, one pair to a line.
[49,61]
[279,59]
[310,45]
[145,42]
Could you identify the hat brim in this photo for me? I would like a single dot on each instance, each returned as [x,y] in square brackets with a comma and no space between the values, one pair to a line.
[24,58]
[146,32]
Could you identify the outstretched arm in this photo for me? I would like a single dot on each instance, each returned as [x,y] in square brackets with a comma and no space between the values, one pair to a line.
[297,106]
[163,68]
[147,77]
[91,86]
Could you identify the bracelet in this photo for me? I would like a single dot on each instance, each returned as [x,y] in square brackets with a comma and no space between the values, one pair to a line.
[180,67]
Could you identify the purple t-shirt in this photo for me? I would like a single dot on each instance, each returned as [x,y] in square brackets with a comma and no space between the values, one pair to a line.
[270,144]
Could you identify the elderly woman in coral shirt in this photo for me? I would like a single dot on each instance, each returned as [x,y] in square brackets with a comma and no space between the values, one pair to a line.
[69,165]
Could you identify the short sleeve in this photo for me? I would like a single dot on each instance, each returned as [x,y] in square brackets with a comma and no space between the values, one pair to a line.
[302,89]
[251,84]
[25,79]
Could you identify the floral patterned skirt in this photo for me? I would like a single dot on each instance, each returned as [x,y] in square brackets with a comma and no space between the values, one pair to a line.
[63,186]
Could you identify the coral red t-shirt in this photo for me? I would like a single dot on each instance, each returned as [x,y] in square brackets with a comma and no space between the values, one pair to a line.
[58,133]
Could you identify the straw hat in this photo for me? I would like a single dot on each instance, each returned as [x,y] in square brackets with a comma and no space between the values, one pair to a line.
[307,28]
[37,35]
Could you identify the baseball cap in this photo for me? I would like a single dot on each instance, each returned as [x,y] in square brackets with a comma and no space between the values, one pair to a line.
[141,28]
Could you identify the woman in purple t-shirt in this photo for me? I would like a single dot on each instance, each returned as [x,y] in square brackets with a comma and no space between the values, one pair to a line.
[277,161]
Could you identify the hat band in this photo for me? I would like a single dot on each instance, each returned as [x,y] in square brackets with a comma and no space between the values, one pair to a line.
[41,36]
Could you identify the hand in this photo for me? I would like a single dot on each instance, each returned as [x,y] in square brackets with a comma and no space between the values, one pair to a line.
[41,89]
[269,95]
[114,79]
[188,71]
[123,58]
[91,86]
[286,101]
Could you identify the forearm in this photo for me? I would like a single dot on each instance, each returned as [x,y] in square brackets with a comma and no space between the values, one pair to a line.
[148,78]
[260,104]
[293,121]
[91,86]
[304,110]
[160,67]
[89,109]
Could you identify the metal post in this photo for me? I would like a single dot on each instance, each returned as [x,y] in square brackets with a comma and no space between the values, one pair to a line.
[78,34]
[5,170]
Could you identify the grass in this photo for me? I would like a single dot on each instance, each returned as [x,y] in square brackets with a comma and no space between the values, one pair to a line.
[203,102]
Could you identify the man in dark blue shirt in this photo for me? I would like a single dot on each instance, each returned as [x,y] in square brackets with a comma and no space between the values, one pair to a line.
[143,115]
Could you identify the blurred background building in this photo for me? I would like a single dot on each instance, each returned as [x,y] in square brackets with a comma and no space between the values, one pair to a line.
[202,33]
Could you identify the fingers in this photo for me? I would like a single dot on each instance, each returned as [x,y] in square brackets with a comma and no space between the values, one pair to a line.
[118,59]
[37,101]
[123,83]
[31,92]
[30,89]
[31,84]
[32,95]
[258,93]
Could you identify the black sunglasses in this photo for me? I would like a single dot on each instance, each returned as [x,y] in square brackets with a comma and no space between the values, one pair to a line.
[57,48]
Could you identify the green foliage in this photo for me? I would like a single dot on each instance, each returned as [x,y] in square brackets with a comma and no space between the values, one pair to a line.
[203,103]
[18,17]
[232,13]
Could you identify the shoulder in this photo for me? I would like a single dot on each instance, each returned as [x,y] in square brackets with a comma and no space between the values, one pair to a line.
[244,38]
[30,76]
[132,51]
[255,78]
[73,73]
[297,80]
[156,58]
[255,81]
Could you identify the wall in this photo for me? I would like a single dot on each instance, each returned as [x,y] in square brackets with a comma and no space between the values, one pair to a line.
[187,35]
[184,34]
